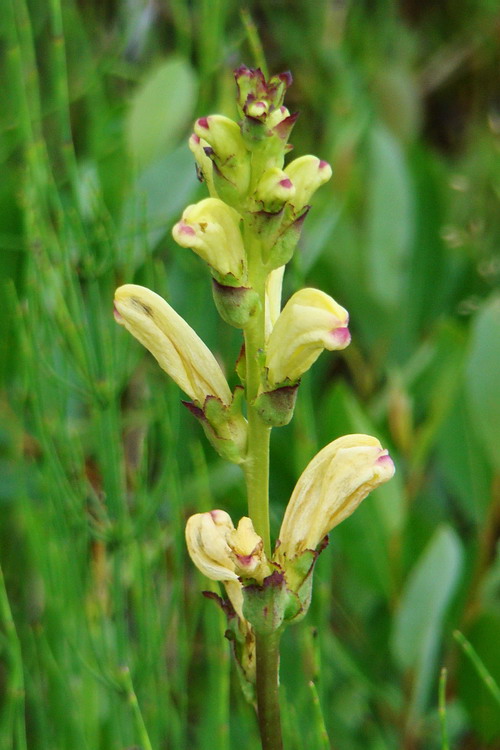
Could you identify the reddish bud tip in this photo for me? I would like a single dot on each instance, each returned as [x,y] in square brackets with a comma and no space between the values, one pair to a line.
[286,183]
[203,123]
[186,229]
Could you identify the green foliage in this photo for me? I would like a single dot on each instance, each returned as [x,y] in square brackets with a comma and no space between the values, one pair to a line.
[105,639]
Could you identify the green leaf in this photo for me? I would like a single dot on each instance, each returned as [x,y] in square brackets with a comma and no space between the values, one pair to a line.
[161,110]
[419,619]
[483,378]
[465,468]
[390,220]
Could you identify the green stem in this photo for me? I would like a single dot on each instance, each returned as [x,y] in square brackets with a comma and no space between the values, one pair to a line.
[257,461]
[257,481]
[268,705]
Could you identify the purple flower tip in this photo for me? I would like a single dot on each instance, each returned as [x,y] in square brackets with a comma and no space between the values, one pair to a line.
[203,123]
[286,183]
[385,460]
[323,164]
[341,336]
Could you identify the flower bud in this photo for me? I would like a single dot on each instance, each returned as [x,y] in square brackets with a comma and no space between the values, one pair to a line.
[275,188]
[257,98]
[176,347]
[331,487]
[211,229]
[228,153]
[236,304]
[310,322]
[307,173]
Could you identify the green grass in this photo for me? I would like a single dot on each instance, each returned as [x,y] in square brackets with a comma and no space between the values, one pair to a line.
[105,638]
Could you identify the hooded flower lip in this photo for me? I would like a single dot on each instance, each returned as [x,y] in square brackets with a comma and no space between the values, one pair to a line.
[307,173]
[310,322]
[176,347]
[211,229]
[330,488]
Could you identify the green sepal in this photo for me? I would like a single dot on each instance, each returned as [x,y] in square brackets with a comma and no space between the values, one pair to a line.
[224,426]
[235,304]
[299,575]
[281,247]
[299,578]
[227,189]
[265,605]
[276,407]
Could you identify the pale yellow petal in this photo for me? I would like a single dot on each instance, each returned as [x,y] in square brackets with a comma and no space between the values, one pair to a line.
[176,347]
[274,283]
[212,229]
[310,322]
[330,489]
[206,539]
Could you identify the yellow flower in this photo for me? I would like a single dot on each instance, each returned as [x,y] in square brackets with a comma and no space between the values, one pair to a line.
[307,173]
[330,488]
[222,552]
[226,554]
[176,347]
[310,322]
[211,229]
[274,189]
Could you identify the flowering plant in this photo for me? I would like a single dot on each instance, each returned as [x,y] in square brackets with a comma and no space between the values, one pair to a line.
[246,232]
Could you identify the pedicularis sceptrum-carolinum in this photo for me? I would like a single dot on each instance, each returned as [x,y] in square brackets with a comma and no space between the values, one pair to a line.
[246,232]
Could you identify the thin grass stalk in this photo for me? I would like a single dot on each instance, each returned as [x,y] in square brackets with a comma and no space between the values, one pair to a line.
[15,684]
[445,744]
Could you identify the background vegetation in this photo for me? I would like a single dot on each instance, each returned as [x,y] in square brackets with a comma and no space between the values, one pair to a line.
[106,640]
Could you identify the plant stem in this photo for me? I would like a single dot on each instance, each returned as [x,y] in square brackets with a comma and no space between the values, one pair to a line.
[257,481]
[257,462]
[268,705]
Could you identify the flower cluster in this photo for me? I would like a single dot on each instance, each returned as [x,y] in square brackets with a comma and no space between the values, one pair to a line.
[245,232]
